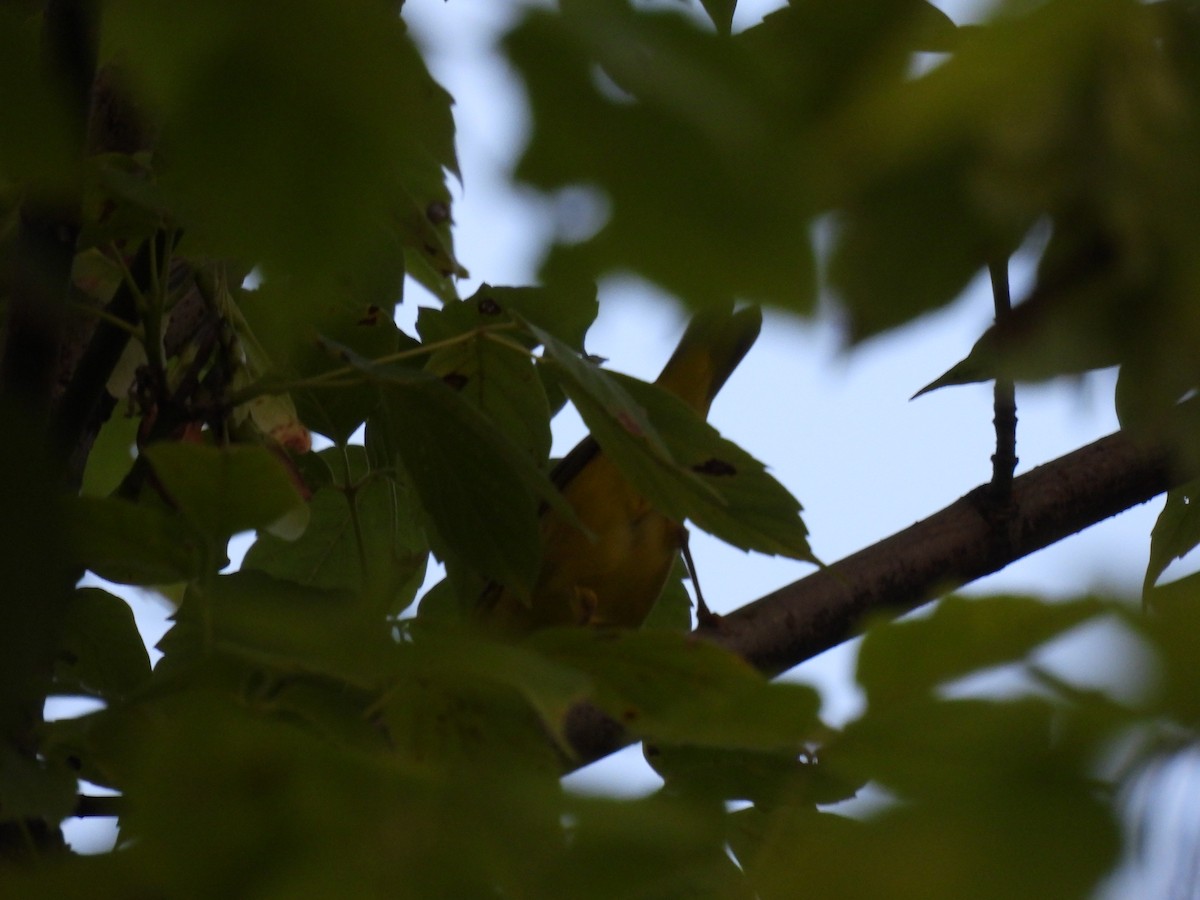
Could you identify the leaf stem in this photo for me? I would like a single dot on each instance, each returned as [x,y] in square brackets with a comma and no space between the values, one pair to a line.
[105,316]
[332,378]
[351,493]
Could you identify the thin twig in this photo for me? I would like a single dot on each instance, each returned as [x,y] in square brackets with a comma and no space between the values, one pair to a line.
[335,377]
[1004,460]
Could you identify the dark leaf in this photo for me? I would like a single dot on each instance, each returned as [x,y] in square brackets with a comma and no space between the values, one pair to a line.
[102,653]
[222,491]
[667,687]
[132,543]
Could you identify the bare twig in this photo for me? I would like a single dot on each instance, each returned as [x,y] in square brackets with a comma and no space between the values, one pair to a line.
[1004,460]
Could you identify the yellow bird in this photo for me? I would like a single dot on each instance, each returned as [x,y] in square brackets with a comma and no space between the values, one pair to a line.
[611,574]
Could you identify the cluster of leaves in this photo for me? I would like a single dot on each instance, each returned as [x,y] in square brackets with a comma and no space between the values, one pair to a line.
[301,736]
[286,747]
[913,153]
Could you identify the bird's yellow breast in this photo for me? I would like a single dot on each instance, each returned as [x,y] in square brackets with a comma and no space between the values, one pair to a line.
[608,574]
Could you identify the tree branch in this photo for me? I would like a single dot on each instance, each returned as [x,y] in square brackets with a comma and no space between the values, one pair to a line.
[951,548]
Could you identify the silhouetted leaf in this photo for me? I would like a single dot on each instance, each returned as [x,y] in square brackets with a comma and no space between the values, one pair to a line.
[102,653]
[133,544]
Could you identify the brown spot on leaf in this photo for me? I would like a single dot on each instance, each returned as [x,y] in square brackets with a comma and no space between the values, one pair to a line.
[372,315]
[629,715]
[489,307]
[456,380]
[630,424]
[437,212]
[715,466]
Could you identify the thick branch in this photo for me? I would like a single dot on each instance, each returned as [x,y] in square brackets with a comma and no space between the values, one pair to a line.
[941,553]
[949,549]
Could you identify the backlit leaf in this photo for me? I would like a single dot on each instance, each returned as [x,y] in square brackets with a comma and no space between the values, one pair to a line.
[328,554]
[224,490]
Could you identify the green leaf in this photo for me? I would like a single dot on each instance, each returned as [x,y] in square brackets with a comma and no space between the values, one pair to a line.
[666,845]
[890,229]
[425,229]
[1069,323]
[978,365]
[1028,840]
[38,148]
[902,660]
[672,610]
[327,709]
[238,99]
[488,367]
[504,386]
[1176,531]
[222,491]
[299,331]
[724,774]
[687,135]
[768,778]
[111,456]
[387,566]
[680,463]
[1174,630]
[457,699]
[611,414]
[33,788]
[932,749]
[739,502]
[252,617]
[473,484]
[721,13]
[667,687]
[970,155]
[93,746]
[132,543]
[369,330]
[548,686]
[102,653]
[322,806]
[466,474]
[564,308]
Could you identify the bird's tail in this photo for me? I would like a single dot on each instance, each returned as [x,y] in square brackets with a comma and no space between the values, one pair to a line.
[709,351]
